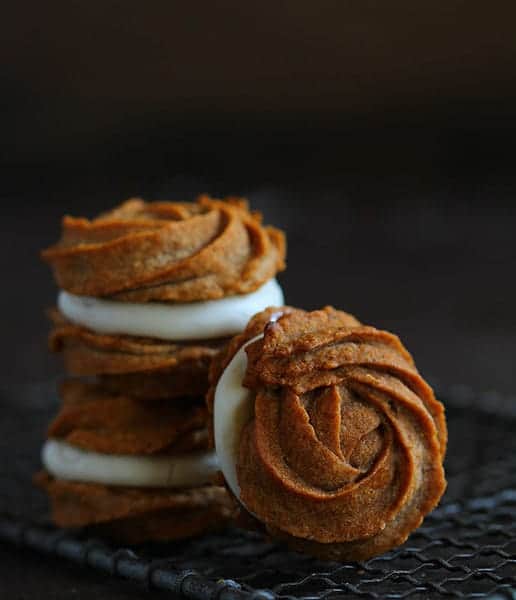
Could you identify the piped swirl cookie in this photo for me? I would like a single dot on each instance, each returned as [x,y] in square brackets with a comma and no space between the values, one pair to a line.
[326,433]
[167,251]
[130,469]
[150,291]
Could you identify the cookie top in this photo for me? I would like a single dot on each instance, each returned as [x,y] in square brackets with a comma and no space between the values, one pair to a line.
[167,251]
[343,449]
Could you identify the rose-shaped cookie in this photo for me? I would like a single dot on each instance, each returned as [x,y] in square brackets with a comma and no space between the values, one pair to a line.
[167,252]
[326,433]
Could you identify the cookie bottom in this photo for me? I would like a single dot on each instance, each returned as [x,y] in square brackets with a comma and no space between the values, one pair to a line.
[362,549]
[162,526]
[136,515]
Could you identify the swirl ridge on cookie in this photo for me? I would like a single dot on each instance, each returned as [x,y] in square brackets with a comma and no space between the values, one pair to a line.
[343,456]
[167,251]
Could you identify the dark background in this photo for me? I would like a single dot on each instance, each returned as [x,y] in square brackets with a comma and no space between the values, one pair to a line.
[380,136]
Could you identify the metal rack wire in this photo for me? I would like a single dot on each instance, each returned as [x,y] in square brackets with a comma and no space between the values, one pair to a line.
[465,549]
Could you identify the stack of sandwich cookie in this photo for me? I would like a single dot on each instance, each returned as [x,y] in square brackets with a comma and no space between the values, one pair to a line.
[149,293]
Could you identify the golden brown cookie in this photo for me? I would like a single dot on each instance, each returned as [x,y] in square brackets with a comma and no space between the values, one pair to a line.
[145,367]
[185,380]
[167,251]
[135,515]
[119,428]
[343,456]
[96,420]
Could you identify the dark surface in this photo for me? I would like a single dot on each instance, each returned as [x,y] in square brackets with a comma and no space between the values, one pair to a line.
[27,575]
[467,545]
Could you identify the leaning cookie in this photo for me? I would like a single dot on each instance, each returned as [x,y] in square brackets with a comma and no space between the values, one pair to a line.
[132,470]
[326,433]
[151,290]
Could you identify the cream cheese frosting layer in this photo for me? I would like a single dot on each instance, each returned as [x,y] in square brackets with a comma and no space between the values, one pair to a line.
[232,409]
[174,321]
[67,462]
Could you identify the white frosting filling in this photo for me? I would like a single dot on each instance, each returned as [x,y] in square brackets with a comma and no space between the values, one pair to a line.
[71,463]
[232,409]
[173,321]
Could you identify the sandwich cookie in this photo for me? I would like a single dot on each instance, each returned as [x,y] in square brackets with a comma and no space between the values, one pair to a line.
[150,291]
[131,469]
[326,433]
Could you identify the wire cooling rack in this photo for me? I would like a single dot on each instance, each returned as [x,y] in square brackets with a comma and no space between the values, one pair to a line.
[465,549]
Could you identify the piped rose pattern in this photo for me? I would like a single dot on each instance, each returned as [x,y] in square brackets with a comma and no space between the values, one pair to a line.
[343,457]
[167,251]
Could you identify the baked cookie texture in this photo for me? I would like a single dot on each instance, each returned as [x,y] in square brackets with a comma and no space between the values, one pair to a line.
[343,457]
[136,515]
[169,252]
[144,367]
[135,396]
[94,420]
